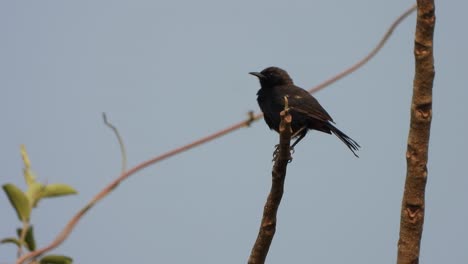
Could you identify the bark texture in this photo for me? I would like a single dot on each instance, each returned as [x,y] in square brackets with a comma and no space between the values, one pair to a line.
[413,205]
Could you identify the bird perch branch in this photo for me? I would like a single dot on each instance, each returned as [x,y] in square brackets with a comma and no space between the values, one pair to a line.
[268,224]
[412,210]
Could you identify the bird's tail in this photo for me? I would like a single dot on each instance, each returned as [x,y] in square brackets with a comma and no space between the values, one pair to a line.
[350,143]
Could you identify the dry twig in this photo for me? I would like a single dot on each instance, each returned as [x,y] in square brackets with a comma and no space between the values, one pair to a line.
[268,224]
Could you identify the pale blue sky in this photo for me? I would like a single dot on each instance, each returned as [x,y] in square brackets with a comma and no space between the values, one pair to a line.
[169,72]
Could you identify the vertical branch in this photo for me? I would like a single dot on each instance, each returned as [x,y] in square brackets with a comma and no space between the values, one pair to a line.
[268,224]
[412,211]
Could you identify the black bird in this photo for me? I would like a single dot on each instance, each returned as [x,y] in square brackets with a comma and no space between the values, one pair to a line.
[305,110]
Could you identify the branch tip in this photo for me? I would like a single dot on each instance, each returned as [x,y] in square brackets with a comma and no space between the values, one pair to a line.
[123,152]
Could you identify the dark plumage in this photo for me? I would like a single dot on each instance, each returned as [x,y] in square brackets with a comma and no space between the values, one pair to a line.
[305,110]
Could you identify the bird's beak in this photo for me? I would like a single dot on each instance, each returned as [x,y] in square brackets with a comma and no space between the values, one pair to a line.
[259,75]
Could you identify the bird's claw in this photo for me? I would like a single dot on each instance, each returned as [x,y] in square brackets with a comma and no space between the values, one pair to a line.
[291,151]
[276,153]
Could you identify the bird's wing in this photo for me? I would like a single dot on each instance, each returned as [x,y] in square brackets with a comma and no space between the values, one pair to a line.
[301,101]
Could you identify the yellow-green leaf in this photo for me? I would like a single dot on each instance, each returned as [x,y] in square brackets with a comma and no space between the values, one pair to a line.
[24,155]
[56,259]
[19,201]
[29,176]
[34,193]
[54,190]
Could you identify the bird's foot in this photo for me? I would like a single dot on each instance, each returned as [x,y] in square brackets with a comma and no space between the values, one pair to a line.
[291,152]
[276,153]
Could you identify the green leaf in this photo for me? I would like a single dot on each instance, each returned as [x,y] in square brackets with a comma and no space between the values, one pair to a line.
[19,201]
[56,259]
[29,238]
[29,176]
[34,193]
[34,186]
[55,190]
[11,240]
[36,190]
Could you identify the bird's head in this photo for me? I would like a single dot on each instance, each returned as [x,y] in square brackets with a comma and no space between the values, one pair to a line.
[273,76]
